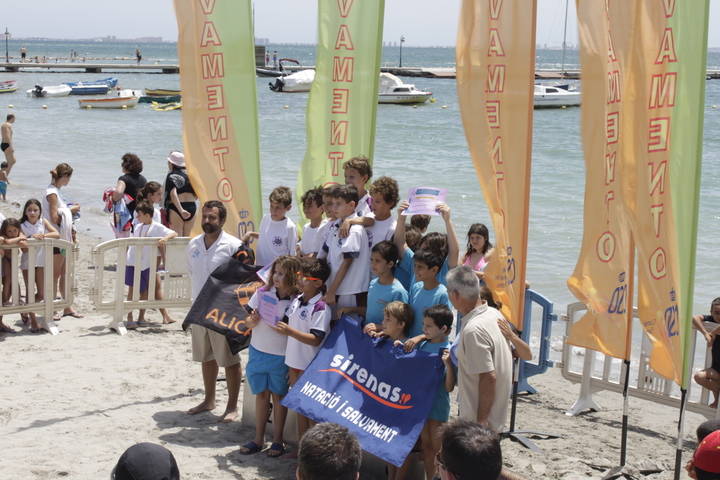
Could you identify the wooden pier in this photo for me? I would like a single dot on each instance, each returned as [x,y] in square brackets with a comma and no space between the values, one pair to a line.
[89,67]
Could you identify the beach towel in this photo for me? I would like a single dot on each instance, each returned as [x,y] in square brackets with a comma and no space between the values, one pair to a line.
[121,217]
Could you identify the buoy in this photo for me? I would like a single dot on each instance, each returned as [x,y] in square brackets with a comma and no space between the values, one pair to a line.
[444,106]
[286,107]
[564,107]
[124,107]
[414,106]
[45,107]
[433,100]
[11,106]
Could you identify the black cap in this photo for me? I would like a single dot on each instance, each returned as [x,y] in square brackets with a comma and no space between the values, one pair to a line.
[146,461]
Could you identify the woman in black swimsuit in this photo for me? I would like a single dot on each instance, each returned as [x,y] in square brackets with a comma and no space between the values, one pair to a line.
[180,198]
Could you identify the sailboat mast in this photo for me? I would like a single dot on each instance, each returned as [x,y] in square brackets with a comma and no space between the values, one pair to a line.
[564,46]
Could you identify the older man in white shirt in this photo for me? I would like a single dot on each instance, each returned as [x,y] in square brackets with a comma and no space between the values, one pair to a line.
[205,253]
[484,355]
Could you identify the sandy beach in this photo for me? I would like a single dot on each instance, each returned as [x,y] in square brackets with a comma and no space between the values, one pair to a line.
[72,403]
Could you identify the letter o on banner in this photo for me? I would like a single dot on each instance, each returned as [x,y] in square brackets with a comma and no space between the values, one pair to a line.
[605,247]
[658,264]
[224,190]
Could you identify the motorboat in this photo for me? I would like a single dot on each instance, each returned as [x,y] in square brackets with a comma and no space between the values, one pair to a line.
[160,92]
[49,91]
[555,96]
[165,99]
[110,82]
[8,86]
[118,102]
[89,89]
[297,82]
[393,90]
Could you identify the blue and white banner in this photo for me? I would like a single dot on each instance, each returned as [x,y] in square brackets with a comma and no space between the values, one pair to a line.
[380,393]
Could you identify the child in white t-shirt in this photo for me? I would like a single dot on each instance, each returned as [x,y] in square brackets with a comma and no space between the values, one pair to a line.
[349,257]
[146,229]
[385,195]
[308,324]
[152,193]
[278,234]
[312,239]
[358,172]
[266,372]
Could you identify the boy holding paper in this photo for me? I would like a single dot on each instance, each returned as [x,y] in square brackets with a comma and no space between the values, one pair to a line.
[266,371]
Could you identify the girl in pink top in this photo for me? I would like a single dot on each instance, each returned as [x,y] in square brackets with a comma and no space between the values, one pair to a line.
[478,248]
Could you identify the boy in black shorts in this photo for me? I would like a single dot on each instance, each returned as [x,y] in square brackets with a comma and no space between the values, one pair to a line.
[710,377]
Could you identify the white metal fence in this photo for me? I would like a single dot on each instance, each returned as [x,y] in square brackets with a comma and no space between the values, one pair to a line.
[109,261]
[44,307]
[595,371]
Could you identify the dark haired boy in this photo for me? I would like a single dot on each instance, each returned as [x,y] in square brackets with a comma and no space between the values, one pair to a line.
[427,291]
[358,172]
[469,451]
[385,195]
[348,257]
[308,324]
[312,240]
[710,377]
[278,234]
[329,452]
[421,222]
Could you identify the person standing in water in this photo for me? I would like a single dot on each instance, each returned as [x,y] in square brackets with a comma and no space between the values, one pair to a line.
[138,55]
[6,131]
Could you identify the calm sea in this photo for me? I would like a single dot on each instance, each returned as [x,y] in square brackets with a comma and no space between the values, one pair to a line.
[414,145]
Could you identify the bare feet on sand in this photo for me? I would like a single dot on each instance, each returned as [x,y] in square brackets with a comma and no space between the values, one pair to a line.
[168,320]
[203,407]
[229,416]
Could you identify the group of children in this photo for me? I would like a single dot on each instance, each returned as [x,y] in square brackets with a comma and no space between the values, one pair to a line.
[354,259]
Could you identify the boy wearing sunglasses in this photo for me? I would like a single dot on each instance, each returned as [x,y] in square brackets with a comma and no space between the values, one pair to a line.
[308,324]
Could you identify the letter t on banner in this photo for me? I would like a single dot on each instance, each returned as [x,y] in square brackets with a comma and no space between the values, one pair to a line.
[495,79]
[216,47]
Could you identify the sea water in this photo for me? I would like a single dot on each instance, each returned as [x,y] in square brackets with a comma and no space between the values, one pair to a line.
[417,146]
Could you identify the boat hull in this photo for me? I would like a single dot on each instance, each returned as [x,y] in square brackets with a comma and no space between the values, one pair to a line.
[52,91]
[400,99]
[99,89]
[113,102]
[556,101]
[166,99]
[161,92]
[110,82]
[8,86]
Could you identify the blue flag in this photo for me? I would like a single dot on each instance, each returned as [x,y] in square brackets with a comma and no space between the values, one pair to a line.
[380,393]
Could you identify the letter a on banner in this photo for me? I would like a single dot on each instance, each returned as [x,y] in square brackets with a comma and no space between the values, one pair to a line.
[495,78]
[216,47]
[603,276]
[343,97]
[666,118]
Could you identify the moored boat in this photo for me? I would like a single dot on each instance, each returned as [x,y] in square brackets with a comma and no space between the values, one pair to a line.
[555,96]
[109,102]
[8,86]
[161,92]
[49,91]
[166,107]
[110,82]
[89,89]
[393,90]
[297,82]
[166,99]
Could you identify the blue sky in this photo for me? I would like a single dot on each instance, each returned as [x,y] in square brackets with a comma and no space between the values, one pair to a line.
[422,22]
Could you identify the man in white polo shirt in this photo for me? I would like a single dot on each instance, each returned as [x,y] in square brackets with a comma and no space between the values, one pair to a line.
[205,253]
[484,356]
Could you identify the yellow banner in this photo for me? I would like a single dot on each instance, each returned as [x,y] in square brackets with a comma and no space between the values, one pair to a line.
[603,276]
[216,50]
[495,76]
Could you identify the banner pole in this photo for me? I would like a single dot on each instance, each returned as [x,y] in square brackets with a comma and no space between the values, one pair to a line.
[626,405]
[513,408]
[628,349]
[681,434]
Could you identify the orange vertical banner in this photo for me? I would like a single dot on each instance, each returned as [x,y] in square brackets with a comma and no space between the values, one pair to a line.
[495,58]
[603,275]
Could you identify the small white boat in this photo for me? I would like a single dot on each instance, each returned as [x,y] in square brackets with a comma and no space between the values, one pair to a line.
[49,91]
[123,102]
[552,96]
[393,90]
[297,82]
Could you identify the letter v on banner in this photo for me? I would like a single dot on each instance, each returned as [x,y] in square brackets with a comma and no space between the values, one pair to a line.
[220,124]
[496,56]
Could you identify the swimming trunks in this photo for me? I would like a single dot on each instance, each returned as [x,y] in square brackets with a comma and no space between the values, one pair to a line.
[3,187]
[4,146]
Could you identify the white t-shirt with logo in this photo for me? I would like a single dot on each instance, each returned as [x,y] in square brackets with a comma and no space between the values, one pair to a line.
[203,261]
[152,230]
[276,239]
[304,317]
[356,245]
[381,230]
[312,239]
[363,206]
[264,338]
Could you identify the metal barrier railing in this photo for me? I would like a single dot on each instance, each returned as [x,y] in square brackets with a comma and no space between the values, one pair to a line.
[109,261]
[42,308]
[644,382]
